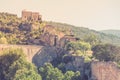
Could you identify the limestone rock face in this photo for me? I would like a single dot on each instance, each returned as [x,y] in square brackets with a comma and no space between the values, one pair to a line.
[25,26]
[45,54]
[29,26]
[48,39]
[104,71]
[76,63]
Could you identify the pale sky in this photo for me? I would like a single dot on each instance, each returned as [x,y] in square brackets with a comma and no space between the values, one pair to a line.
[93,14]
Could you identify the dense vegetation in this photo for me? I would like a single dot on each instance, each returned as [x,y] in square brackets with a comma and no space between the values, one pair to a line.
[12,28]
[13,66]
[14,31]
[48,72]
[107,52]
[84,33]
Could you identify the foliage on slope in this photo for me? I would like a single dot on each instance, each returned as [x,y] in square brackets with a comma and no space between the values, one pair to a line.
[13,66]
[10,25]
[15,31]
[83,33]
[112,32]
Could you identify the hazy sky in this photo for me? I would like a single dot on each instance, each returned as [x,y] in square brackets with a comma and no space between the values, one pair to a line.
[94,14]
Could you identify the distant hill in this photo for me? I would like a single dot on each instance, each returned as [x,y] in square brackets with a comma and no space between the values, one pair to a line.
[112,32]
[82,32]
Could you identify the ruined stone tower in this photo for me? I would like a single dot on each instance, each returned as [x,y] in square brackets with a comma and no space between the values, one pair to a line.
[31,16]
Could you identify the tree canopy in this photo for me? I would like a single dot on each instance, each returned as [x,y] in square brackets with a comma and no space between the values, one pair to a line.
[79,45]
[107,52]
[13,66]
[49,72]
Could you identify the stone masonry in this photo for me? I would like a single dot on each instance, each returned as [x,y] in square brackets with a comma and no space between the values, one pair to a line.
[104,71]
[31,16]
[29,50]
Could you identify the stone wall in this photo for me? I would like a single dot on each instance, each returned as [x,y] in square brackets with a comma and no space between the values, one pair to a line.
[29,50]
[35,54]
[104,71]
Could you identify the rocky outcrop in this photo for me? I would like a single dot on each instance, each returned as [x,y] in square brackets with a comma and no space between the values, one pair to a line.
[75,63]
[28,26]
[49,39]
[45,54]
[104,71]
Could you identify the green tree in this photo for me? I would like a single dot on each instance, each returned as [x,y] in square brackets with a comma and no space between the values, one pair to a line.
[106,52]
[76,76]
[3,40]
[72,46]
[84,46]
[1,34]
[70,75]
[92,39]
[14,66]
[48,72]
[79,45]
[25,74]
[78,53]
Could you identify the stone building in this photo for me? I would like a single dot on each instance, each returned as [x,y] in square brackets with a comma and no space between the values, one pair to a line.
[67,38]
[31,16]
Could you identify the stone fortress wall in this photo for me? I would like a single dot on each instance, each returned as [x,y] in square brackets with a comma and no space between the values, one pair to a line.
[29,50]
[105,71]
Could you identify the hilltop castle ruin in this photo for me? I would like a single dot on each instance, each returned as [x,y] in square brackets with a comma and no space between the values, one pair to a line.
[31,16]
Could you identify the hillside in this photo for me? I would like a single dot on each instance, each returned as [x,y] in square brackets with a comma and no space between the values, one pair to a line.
[59,51]
[14,31]
[82,32]
[112,32]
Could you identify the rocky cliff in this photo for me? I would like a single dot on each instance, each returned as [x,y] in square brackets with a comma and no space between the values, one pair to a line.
[104,71]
